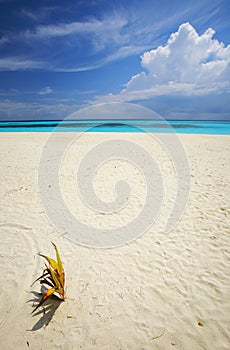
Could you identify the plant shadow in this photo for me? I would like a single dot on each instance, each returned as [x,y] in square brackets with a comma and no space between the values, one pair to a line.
[47,310]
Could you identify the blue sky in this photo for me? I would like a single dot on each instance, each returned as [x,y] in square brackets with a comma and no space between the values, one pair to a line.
[171,56]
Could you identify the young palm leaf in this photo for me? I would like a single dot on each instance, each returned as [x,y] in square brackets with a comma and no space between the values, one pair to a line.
[53,276]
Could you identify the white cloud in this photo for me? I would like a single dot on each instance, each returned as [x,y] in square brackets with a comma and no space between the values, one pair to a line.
[77,44]
[3,40]
[88,38]
[46,91]
[127,50]
[65,44]
[11,110]
[189,64]
[113,37]
[12,63]
[108,29]
[45,31]
[38,14]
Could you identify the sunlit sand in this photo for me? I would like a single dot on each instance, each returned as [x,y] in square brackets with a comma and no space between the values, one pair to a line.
[158,292]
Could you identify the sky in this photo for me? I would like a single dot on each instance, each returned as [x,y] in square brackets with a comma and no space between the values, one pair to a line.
[171,56]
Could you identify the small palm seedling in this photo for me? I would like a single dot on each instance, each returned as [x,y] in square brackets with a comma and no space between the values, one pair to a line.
[53,276]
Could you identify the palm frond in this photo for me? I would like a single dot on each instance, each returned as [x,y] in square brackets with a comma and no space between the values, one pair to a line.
[53,276]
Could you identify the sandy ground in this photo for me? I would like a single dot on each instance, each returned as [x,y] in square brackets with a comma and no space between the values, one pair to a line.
[158,292]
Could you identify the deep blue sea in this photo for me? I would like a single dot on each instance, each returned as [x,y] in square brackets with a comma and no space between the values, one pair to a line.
[158,126]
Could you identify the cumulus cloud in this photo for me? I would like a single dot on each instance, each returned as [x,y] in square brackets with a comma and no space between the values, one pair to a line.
[189,63]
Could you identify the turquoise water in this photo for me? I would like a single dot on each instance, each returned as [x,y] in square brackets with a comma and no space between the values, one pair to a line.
[159,126]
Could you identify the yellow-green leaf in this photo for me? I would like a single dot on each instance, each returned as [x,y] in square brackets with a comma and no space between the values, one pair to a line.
[51,261]
[58,258]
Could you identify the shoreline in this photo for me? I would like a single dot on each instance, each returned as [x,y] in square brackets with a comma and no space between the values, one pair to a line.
[121,125]
[158,291]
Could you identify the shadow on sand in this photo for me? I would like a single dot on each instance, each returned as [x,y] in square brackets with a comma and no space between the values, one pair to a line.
[47,310]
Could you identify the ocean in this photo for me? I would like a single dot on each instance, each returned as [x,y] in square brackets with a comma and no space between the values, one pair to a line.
[154,126]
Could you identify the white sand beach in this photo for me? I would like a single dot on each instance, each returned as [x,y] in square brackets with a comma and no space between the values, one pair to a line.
[157,292]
